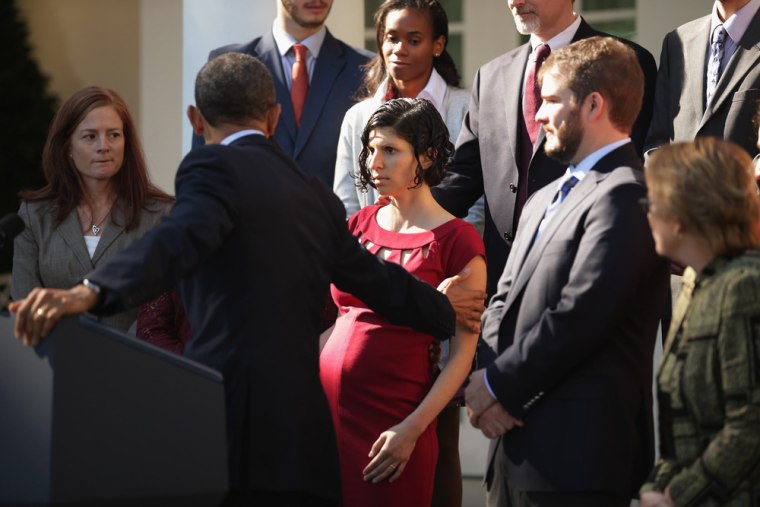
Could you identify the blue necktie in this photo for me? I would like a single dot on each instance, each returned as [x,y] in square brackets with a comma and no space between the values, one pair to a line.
[713,66]
[560,196]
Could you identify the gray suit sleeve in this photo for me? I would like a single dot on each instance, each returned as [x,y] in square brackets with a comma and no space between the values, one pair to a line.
[26,272]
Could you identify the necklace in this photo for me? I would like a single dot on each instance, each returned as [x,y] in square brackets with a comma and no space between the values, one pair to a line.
[96,227]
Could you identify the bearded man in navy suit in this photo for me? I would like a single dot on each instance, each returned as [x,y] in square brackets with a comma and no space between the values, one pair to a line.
[574,319]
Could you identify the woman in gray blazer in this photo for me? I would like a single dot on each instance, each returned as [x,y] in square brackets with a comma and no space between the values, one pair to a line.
[97,200]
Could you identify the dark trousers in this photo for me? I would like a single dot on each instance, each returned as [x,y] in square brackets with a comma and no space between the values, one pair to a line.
[501,493]
[276,499]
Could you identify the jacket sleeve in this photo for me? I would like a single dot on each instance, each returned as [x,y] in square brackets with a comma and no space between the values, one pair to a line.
[661,126]
[463,184]
[26,271]
[347,163]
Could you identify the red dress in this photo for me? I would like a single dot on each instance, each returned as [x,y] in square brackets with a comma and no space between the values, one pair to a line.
[375,373]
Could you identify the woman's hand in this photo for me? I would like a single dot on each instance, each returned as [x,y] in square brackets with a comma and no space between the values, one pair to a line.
[390,453]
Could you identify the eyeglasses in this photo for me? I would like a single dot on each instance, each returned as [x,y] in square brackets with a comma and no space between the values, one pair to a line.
[645,204]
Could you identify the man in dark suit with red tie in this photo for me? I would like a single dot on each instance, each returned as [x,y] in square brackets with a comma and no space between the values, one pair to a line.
[575,316]
[316,77]
[254,243]
[500,150]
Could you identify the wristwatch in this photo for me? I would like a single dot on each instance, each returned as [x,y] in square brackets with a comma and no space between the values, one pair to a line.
[98,290]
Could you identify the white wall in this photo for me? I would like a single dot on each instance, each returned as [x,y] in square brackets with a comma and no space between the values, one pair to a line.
[655,18]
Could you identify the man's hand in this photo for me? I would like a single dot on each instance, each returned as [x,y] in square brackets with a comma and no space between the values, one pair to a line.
[43,308]
[476,396]
[468,304]
[495,421]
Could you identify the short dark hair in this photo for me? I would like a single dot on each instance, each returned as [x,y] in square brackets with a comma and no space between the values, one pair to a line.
[419,123]
[439,22]
[64,185]
[234,88]
[604,65]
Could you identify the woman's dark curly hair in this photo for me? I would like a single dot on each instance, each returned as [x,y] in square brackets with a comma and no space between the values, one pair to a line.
[417,122]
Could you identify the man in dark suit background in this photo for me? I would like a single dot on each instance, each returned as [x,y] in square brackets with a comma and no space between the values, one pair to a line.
[500,150]
[574,320]
[334,73]
[254,242]
[697,53]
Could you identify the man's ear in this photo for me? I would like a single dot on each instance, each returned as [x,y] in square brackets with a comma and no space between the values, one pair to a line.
[594,106]
[196,119]
[273,116]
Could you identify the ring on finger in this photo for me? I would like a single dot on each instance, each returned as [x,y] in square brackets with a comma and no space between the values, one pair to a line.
[393,467]
[40,312]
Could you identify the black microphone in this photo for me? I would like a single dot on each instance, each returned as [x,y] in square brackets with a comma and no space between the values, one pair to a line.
[11,226]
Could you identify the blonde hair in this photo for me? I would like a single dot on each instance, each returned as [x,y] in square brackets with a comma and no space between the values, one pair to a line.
[709,186]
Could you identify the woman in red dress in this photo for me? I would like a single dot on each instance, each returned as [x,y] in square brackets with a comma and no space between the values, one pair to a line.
[378,377]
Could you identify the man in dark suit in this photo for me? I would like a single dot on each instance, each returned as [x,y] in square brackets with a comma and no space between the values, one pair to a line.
[254,242]
[500,150]
[575,316]
[334,73]
[722,47]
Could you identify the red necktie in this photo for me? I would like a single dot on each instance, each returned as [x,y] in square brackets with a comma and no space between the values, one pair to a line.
[529,133]
[299,86]
[532,95]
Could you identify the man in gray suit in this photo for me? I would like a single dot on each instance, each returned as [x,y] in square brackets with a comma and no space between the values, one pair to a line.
[709,78]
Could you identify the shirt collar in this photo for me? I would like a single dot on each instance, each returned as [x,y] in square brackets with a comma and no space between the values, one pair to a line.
[434,91]
[585,165]
[240,133]
[285,41]
[736,25]
[562,39]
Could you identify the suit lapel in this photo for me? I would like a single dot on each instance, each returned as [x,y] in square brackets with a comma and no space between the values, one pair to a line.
[534,255]
[110,234]
[513,101]
[695,56]
[72,235]
[326,69]
[269,55]
[746,57]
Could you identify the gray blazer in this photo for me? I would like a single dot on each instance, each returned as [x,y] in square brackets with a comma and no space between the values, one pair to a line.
[57,257]
[679,111]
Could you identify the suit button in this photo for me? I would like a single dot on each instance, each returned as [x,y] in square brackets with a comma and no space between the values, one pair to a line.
[508,236]
[512,188]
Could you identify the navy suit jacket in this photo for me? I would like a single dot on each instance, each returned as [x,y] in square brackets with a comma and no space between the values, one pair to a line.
[338,75]
[256,242]
[573,326]
[488,148]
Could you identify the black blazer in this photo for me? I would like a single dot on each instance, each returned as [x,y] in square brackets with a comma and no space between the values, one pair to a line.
[338,75]
[488,148]
[255,242]
[573,326]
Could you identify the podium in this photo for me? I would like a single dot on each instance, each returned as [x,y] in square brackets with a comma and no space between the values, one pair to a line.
[94,416]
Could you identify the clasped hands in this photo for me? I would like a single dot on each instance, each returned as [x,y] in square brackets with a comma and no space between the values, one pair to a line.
[484,412]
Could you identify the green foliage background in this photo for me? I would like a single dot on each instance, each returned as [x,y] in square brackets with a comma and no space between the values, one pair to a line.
[26,109]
